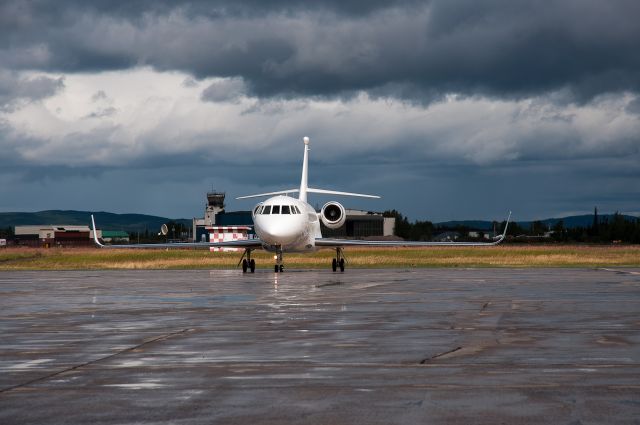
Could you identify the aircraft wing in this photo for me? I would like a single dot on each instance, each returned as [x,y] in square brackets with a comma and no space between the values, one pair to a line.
[241,243]
[337,243]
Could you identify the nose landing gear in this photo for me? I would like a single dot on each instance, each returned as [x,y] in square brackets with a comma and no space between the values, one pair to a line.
[338,261]
[279,267]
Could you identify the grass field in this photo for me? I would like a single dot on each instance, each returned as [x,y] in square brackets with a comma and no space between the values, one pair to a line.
[500,256]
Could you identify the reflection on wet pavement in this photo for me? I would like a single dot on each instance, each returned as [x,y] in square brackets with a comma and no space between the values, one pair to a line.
[366,346]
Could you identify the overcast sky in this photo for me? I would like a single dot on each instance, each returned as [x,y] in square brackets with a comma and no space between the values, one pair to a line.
[447,109]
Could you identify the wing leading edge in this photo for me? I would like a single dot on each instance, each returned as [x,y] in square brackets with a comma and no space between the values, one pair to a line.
[336,243]
[242,243]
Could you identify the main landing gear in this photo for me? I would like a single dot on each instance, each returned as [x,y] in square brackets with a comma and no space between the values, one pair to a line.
[338,261]
[248,263]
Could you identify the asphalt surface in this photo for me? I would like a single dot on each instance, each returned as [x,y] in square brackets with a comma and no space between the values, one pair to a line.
[367,346]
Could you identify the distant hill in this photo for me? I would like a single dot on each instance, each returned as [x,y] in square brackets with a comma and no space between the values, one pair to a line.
[104,220]
[569,222]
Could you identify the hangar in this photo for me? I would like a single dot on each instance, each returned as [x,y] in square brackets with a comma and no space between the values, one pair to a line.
[58,235]
[362,224]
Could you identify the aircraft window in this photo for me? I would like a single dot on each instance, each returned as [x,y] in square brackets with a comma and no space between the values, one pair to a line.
[296,209]
[275,209]
[267,209]
[257,209]
[285,209]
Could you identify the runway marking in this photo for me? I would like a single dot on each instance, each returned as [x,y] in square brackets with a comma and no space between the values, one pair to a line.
[620,271]
[126,350]
[29,364]
[138,386]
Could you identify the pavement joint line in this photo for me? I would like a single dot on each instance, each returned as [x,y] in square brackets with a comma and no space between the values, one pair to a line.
[428,359]
[69,369]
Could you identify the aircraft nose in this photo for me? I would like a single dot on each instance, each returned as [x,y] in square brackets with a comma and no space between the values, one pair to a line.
[279,234]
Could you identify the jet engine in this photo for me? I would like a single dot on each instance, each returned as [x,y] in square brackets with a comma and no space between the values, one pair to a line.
[333,215]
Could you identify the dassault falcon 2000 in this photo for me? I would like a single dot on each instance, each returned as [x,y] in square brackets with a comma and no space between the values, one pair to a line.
[286,224]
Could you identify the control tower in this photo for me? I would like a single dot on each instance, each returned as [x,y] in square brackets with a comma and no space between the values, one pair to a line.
[215,204]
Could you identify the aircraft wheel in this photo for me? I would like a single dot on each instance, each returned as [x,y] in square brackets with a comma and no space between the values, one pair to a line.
[334,265]
[276,268]
[342,264]
[252,266]
[281,268]
[244,266]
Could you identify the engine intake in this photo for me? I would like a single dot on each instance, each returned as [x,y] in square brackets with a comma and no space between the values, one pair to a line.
[333,215]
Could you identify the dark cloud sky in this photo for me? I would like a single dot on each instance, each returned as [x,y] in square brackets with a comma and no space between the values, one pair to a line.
[448,109]
[498,48]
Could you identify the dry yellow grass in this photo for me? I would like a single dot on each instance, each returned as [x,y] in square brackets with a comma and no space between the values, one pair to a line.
[500,256]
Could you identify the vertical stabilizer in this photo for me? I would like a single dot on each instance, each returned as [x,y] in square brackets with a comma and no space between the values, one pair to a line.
[305,172]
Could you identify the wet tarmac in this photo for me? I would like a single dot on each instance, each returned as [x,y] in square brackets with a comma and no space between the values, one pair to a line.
[367,346]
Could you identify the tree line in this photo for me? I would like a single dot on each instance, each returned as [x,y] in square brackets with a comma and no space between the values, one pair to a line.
[616,229]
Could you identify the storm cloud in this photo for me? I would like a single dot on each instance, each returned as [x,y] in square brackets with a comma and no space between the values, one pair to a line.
[462,95]
[417,50]
[16,90]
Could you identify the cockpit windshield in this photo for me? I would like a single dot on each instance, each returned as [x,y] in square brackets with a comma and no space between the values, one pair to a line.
[277,209]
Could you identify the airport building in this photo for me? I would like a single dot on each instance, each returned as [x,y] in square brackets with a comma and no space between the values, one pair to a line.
[220,226]
[117,236]
[49,236]
[362,224]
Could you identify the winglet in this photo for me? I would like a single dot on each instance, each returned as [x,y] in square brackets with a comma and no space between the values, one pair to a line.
[504,232]
[95,234]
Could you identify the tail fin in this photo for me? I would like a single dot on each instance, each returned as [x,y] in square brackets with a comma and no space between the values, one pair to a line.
[302,193]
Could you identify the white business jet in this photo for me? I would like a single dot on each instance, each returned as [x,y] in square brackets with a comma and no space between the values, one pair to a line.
[286,224]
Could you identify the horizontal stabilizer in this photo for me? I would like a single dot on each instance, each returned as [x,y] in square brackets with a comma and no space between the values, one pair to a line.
[333,192]
[280,192]
[310,190]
